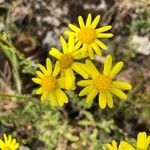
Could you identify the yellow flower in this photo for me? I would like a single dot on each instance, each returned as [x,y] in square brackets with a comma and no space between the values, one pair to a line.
[142,143]
[9,143]
[67,60]
[50,86]
[88,36]
[103,84]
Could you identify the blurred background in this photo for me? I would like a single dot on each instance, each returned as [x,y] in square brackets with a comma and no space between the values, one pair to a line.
[28,29]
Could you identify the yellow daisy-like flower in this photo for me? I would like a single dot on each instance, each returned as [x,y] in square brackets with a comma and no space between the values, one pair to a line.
[142,143]
[88,36]
[9,143]
[103,84]
[50,86]
[67,60]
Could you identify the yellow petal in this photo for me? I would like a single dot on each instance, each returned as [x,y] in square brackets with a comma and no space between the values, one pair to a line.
[5,138]
[95,22]
[9,139]
[40,91]
[91,96]
[56,69]
[86,90]
[122,85]
[101,44]
[40,74]
[77,46]
[61,97]
[91,69]
[91,53]
[70,79]
[81,22]
[107,65]
[71,43]
[113,146]
[74,28]
[55,53]
[68,33]
[118,93]
[109,100]
[141,140]
[77,67]
[103,29]
[44,97]
[37,80]
[84,83]
[1,143]
[116,69]
[61,83]
[89,19]
[49,66]
[104,35]
[102,100]
[43,69]
[96,49]
[64,44]
[53,99]
[125,146]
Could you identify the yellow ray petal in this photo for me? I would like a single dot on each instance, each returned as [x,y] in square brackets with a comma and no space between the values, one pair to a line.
[122,85]
[91,69]
[9,140]
[71,42]
[37,80]
[77,46]
[116,69]
[110,102]
[55,53]
[56,69]
[104,35]
[68,33]
[5,138]
[96,49]
[102,100]
[61,83]
[1,143]
[113,146]
[61,97]
[101,44]
[43,69]
[40,91]
[81,22]
[49,66]
[91,96]
[64,44]
[53,99]
[89,20]
[107,65]
[118,93]
[90,52]
[141,140]
[44,97]
[95,22]
[39,74]
[84,83]
[103,29]
[70,79]
[87,90]
[77,67]
[74,28]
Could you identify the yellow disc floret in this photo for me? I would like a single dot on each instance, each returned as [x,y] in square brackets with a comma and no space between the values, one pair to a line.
[66,61]
[102,83]
[6,148]
[87,35]
[49,83]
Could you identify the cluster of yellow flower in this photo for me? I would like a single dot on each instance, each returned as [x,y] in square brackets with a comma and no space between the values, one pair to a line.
[142,143]
[83,41]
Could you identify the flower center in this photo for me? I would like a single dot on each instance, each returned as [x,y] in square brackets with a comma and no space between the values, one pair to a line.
[6,148]
[66,61]
[49,83]
[87,35]
[102,83]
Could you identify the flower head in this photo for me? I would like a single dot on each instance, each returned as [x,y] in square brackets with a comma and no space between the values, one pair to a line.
[103,84]
[68,61]
[9,143]
[89,36]
[50,86]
